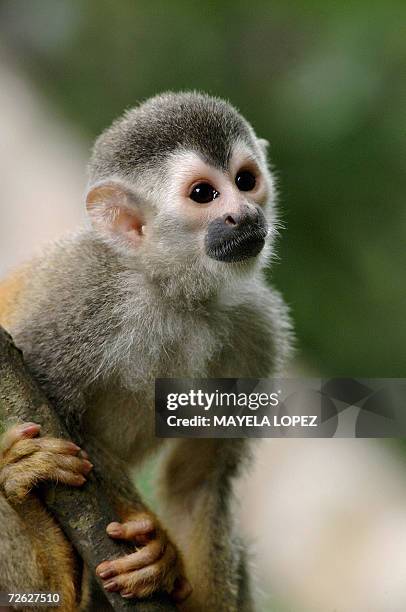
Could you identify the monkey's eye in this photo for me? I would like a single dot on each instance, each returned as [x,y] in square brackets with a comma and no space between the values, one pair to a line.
[245,180]
[203,193]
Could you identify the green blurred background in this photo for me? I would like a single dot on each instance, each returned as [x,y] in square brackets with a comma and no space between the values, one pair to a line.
[323,82]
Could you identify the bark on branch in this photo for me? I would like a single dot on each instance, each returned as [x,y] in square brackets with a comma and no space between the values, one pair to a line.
[82,513]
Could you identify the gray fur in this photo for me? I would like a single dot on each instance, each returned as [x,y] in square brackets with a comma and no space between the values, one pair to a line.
[98,324]
[145,135]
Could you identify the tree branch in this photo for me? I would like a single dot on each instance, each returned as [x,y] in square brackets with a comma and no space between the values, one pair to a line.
[82,513]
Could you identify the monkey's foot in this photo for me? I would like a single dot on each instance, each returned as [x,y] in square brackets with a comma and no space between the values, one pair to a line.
[26,460]
[155,566]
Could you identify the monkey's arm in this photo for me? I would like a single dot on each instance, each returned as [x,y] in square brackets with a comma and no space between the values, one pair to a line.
[156,560]
[20,397]
[56,357]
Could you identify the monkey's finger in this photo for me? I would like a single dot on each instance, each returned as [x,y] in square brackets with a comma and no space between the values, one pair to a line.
[46,466]
[68,463]
[58,446]
[131,530]
[143,539]
[142,558]
[18,432]
[182,589]
[18,480]
[69,478]
[24,447]
[145,581]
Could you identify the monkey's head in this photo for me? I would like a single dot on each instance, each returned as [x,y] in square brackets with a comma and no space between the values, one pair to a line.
[181,185]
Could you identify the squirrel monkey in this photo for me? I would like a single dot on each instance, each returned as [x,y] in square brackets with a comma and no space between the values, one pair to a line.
[167,281]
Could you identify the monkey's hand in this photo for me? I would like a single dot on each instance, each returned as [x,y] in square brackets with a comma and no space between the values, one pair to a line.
[26,460]
[155,566]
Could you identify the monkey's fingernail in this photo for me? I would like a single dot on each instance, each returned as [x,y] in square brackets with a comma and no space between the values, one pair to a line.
[84,454]
[87,466]
[29,427]
[115,532]
[111,585]
[107,573]
[73,446]
[127,595]
[114,529]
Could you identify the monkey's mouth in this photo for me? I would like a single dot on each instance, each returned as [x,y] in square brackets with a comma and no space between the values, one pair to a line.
[238,247]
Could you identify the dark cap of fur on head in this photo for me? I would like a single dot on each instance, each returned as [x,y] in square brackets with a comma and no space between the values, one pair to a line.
[146,134]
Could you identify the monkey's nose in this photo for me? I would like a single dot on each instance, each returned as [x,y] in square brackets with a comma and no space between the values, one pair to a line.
[245,219]
[230,220]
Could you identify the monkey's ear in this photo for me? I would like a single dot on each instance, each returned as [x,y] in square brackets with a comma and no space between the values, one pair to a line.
[264,144]
[113,210]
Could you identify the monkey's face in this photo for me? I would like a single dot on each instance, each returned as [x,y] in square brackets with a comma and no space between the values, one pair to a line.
[206,214]
[191,215]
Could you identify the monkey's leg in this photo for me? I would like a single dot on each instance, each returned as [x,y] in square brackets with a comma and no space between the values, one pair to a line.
[19,567]
[197,488]
[34,554]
